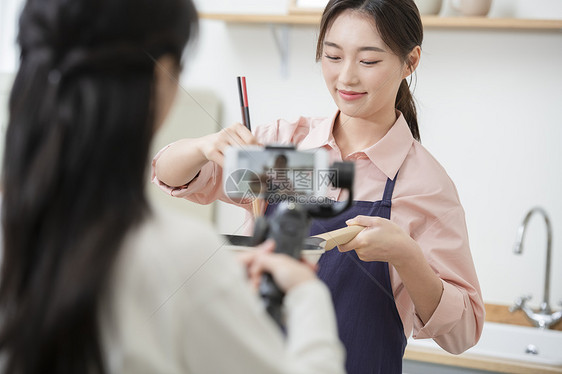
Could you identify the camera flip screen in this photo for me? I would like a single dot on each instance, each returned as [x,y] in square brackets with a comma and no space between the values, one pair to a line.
[275,173]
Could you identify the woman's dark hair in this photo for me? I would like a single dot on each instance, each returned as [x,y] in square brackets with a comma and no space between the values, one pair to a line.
[400,26]
[81,121]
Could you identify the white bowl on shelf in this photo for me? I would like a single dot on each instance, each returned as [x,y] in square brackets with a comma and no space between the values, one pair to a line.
[429,7]
[472,8]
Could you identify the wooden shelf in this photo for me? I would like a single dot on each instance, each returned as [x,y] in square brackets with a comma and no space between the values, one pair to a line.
[279,24]
[293,19]
[428,21]
[491,23]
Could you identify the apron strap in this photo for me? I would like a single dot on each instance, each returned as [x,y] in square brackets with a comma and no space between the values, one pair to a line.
[388,190]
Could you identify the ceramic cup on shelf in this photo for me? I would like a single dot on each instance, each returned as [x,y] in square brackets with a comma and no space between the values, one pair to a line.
[472,7]
[429,7]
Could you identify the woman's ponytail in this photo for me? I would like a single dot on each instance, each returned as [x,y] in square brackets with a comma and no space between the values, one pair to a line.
[405,104]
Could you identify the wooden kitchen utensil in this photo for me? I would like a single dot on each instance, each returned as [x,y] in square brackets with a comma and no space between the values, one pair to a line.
[337,237]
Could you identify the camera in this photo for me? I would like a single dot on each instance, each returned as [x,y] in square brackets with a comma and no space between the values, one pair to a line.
[275,173]
[293,183]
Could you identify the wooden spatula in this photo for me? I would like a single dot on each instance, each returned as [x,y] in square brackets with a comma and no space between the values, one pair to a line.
[331,239]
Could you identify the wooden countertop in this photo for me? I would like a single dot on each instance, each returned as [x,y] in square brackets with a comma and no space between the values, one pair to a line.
[501,314]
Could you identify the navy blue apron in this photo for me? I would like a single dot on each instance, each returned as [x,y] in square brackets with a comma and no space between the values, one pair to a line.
[368,322]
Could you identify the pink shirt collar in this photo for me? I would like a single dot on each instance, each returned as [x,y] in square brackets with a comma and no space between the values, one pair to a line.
[388,154]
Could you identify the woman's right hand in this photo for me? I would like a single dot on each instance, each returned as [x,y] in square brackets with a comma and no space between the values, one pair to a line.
[213,146]
[181,161]
[286,271]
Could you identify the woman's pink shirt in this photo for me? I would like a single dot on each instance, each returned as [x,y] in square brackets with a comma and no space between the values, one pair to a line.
[425,204]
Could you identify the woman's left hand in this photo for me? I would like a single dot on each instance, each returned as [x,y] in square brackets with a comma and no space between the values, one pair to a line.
[381,240]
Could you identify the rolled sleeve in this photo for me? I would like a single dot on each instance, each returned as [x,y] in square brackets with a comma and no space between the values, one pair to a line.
[456,323]
[204,189]
[448,312]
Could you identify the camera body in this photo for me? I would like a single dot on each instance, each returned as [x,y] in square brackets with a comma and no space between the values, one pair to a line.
[295,182]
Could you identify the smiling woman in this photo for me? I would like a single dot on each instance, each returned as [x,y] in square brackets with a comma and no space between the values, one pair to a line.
[364,76]
[400,57]
[410,269]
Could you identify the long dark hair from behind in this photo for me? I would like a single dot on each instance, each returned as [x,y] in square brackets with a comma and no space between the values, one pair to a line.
[399,24]
[80,125]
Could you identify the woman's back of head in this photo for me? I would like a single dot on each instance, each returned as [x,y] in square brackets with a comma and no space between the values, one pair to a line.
[77,143]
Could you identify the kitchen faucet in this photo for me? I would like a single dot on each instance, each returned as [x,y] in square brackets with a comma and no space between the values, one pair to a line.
[544,318]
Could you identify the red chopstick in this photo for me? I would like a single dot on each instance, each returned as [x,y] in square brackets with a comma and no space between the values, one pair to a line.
[243,92]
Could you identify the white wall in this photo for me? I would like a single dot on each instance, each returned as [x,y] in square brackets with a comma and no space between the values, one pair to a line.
[490,111]
[9,11]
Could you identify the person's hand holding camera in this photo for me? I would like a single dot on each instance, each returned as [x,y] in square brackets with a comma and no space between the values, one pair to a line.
[286,271]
